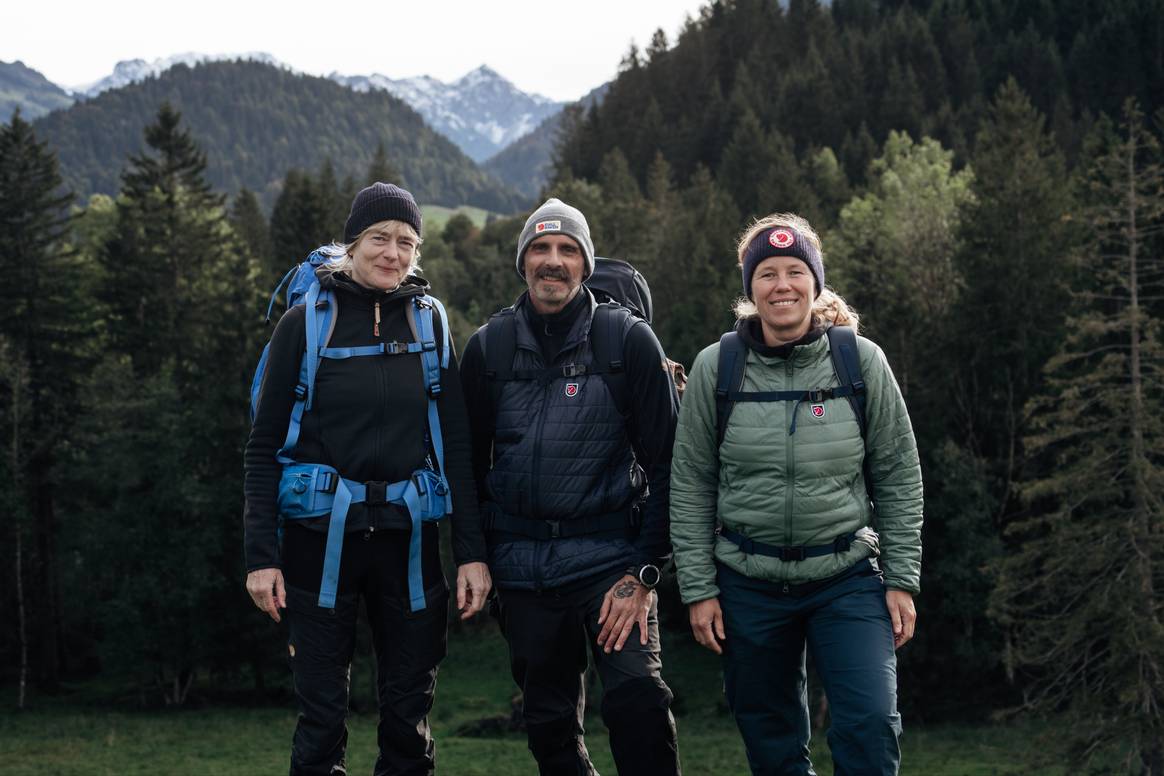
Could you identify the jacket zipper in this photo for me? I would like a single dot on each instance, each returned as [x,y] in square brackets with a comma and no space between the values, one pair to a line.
[790,471]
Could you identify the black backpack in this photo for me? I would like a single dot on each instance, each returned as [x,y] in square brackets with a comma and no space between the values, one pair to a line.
[618,281]
[846,363]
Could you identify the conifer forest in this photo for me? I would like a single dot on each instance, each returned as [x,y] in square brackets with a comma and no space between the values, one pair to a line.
[987,179]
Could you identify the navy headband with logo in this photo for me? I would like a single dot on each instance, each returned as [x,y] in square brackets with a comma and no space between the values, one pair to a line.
[781,241]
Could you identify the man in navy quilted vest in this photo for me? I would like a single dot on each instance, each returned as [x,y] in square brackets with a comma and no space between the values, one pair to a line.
[573,412]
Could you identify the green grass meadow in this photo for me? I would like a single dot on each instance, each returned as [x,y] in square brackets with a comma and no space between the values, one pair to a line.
[436,216]
[81,736]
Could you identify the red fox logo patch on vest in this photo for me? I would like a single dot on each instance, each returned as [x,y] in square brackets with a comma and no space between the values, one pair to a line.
[571,389]
[818,410]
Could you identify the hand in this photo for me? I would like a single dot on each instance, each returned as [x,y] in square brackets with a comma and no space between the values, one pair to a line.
[473,586]
[267,591]
[625,604]
[902,614]
[707,624]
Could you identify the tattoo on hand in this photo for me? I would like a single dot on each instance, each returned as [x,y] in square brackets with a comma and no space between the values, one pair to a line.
[625,589]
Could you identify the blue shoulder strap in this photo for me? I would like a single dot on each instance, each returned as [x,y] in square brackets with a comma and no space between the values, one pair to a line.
[432,361]
[318,328]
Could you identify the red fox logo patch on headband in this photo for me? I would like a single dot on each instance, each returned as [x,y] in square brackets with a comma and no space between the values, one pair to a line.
[781,238]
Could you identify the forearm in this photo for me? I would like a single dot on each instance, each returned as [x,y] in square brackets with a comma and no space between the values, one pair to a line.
[475,387]
[651,426]
[262,471]
[468,538]
[695,486]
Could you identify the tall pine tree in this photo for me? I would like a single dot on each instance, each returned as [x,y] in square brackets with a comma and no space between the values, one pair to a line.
[162,440]
[1079,593]
[47,325]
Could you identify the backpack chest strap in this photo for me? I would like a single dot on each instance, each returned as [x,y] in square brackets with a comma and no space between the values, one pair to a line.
[381,349]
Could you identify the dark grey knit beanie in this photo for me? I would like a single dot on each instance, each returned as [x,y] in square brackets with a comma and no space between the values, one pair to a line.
[556,217]
[381,202]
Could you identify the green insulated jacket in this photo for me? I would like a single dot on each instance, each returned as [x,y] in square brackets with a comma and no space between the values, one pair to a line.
[794,489]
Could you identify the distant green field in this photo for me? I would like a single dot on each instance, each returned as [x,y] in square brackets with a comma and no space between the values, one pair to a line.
[474,685]
[436,216]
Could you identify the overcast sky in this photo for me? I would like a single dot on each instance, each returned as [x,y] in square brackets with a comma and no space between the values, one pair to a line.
[560,50]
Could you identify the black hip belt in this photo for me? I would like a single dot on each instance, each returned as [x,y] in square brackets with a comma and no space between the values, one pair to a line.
[610,525]
[753,547]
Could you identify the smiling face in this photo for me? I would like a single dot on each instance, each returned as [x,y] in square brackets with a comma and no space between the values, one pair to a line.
[383,255]
[553,271]
[782,290]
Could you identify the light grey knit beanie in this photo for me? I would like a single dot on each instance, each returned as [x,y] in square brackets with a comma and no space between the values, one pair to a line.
[556,217]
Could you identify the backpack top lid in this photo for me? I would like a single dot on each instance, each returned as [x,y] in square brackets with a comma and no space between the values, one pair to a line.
[620,282]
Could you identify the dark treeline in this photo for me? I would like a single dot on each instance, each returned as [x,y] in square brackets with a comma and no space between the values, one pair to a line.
[987,181]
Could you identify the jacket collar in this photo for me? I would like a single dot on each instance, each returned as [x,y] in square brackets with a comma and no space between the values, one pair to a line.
[798,351]
[411,286]
[579,331]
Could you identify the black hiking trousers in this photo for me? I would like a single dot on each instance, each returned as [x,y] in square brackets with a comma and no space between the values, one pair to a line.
[321,643]
[549,634]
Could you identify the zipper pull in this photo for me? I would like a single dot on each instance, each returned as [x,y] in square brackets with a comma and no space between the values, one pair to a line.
[376,325]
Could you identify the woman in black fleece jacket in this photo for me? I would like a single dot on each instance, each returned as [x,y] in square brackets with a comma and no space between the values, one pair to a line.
[368,420]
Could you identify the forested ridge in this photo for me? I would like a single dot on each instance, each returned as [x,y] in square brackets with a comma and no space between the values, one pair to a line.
[987,180]
[255,121]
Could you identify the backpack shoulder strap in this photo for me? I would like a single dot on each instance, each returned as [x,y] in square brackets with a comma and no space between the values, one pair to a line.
[729,377]
[500,343]
[420,320]
[321,311]
[608,331]
[847,365]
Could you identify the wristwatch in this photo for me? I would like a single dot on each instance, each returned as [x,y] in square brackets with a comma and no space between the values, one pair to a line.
[647,574]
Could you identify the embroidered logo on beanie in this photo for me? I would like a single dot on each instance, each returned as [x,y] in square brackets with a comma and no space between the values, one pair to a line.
[781,238]
[548,226]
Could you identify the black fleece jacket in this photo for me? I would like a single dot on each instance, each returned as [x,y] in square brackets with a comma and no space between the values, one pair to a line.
[368,420]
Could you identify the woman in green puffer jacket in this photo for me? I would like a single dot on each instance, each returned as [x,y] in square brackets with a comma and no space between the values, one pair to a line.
[780,539]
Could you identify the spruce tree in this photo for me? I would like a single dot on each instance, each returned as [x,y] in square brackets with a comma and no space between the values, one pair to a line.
[249,223]
[1079,593]
[48,325]
[161,442]
[301,220]
[382,170]
[1015,264]
[1006,321]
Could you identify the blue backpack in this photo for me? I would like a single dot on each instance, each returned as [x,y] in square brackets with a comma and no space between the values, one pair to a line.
[314,489]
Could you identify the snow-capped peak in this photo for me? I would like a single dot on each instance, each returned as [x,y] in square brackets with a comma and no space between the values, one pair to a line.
[482,112]
[130,71]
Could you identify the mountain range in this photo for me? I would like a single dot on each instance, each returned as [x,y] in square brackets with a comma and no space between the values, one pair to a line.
[24,88]
[481,111]
[508,131]
[256,121]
